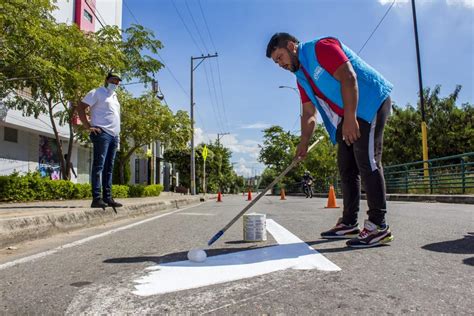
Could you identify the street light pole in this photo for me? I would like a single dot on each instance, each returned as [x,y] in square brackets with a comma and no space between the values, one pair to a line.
[193,164]
[299,97]
[424,131]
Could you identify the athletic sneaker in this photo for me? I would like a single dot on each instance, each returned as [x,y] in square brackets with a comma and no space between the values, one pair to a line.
[371,236]
[341,231]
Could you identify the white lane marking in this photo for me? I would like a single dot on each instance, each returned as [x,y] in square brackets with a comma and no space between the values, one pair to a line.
[198,214]
[291,253]
[82,241]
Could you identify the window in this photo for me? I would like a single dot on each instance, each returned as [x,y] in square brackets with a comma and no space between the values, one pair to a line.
[88,16]
[11,135]
[137,170]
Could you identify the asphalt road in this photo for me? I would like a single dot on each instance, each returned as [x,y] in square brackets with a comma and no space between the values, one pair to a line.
[427,269]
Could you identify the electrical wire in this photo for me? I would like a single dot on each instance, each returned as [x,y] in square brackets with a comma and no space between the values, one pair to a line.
[375,29]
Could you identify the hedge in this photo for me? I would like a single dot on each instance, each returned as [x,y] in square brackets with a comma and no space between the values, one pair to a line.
[32,187]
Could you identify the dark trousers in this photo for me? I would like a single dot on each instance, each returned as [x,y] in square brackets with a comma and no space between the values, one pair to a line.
[363,160]
[105,147]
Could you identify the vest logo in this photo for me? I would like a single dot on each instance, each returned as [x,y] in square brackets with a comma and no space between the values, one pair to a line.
[317,72]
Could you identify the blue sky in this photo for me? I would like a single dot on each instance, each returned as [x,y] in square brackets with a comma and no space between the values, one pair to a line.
[240,30]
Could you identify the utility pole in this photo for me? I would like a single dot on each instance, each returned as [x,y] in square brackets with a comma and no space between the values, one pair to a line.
[193,163]
[219,135]
[424,131]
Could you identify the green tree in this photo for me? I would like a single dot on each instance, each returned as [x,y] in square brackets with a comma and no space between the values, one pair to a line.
[38,58]
[145,120]
[450,129]
[278,151]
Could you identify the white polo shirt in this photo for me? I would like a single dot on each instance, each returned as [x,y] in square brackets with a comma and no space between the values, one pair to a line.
[105,110]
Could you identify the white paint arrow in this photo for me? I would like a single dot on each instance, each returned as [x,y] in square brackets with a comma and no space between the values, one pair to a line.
[290,253]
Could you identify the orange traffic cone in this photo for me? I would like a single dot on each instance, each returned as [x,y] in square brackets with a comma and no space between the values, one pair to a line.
[219,197]
[332,198]
[249,196]
[282,194]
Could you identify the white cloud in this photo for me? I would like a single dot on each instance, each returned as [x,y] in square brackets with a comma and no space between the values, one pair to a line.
[242,170]
[257,125]
[247,146]
[465,3]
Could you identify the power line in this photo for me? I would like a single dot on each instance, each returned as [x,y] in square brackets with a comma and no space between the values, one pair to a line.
[380,22]
[195,26]
[224,115]
[207,27]
[161,58]
[187,29]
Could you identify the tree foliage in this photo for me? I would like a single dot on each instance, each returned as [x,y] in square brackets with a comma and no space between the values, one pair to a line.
[145,120]
[57,64]
[278,151]
[219,173]
[450,129]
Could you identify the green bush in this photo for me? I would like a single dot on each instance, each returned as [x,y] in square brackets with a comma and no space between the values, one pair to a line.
[82,191]
[120,191]
[153,190]
[136,190]
[32,187]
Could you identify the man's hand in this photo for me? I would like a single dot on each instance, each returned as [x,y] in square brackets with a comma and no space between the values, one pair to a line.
[350,130]
[301,151]
[94,130]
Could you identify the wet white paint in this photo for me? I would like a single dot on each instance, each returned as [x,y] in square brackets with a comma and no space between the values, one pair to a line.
[290,253]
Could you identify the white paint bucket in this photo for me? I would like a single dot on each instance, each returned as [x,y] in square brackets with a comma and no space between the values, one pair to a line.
[255,228]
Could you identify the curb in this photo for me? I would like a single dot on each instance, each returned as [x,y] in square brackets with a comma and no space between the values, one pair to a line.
[16,230]
[456,199]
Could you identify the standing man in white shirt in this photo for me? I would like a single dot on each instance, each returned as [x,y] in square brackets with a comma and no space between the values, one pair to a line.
[104,129]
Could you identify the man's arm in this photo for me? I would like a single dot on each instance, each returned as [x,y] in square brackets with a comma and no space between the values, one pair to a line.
[308,122]
[350,96]
[81,110]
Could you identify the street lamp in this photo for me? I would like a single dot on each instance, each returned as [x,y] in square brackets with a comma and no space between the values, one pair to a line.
[424,131]
[299,97]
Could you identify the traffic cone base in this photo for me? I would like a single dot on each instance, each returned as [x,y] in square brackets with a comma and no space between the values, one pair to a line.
[332,198]
[219,197]
[282,194]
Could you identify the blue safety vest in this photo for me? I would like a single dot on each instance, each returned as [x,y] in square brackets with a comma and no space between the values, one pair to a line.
[373,87]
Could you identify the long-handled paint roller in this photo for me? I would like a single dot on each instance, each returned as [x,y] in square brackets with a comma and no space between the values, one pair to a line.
[199,255]
[291,166]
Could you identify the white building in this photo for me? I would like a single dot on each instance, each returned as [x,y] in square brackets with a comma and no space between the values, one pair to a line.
[26,143]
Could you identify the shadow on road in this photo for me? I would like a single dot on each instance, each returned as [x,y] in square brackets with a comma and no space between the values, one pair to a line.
[178,256]
[464,245]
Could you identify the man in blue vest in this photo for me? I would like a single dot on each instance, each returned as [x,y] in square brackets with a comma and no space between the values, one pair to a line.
[354,102]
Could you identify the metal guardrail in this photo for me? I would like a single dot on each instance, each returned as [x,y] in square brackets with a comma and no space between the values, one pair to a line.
[446,175]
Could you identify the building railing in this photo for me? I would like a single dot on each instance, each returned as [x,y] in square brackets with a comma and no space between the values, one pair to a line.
[446,175]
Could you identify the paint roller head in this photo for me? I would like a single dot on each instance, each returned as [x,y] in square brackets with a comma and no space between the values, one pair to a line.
[197,255]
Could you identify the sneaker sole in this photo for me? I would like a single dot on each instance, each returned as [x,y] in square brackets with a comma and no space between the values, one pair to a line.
[341,237]
[379,243]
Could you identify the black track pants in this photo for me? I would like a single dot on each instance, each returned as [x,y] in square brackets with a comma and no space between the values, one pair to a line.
[362,160]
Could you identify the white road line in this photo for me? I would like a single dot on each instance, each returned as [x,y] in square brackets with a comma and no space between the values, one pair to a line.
[291,253]
[85,240]
[198,214]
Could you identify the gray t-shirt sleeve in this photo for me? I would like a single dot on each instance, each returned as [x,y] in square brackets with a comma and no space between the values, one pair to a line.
[91,98]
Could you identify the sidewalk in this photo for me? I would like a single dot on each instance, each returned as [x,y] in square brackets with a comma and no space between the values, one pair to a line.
[27,221]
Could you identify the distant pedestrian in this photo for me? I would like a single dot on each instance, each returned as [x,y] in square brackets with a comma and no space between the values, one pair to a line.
[104,129]
[354,102]
[70,168]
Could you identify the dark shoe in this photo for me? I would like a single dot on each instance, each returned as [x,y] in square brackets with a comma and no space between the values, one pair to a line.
[112,203]
[341,231]
[371,236]
[98,203]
